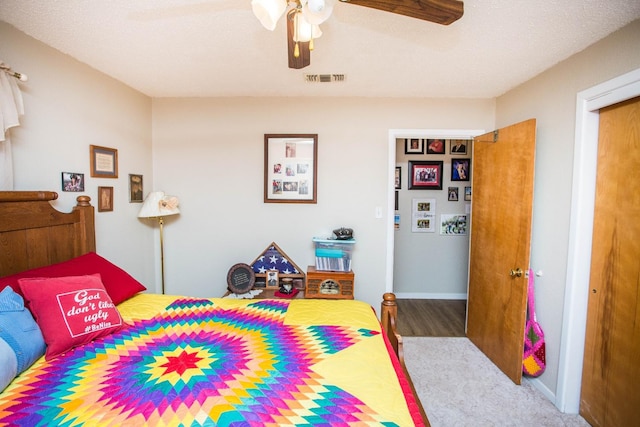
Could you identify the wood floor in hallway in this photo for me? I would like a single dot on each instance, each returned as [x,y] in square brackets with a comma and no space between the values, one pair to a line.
[431,318]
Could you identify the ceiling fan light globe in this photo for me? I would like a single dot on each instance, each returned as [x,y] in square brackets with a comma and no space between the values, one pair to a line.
[268,11]
[317,11]
[304,31]
[316,5]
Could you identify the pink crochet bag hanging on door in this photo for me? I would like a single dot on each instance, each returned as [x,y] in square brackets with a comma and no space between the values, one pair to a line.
[534,358]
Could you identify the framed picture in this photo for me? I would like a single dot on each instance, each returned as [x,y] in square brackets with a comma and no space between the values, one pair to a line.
[423,225]
[105,199]
[104,162]
[397,205]
[453,224]
[453,194]
[425,175]
[458,146]
[72,181]
[435,146]
[424,207]
[135,188]
[290,168]
[414,146]
[398,177]
[467,194]
[460,169]
[272,279]
[423,216]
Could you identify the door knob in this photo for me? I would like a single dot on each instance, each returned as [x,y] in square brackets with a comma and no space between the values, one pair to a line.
[516,273]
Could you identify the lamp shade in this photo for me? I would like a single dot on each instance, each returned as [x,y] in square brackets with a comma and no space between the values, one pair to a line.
[268,11]
[157,205]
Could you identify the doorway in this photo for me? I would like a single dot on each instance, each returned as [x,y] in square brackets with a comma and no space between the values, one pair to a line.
[589,103]
[394,136]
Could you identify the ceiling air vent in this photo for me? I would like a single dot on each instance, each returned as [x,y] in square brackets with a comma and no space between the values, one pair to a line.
[324,78]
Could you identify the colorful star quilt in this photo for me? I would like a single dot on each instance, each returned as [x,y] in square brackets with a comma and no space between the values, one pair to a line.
[200,363]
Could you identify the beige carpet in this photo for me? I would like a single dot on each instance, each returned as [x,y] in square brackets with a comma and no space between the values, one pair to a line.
[459,386]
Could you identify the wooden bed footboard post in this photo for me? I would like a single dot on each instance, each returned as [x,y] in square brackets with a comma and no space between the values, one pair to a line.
[86,226]
[388,319]
[389,309]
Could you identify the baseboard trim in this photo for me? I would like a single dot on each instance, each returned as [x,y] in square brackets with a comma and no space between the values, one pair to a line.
[542,388]
[418,295]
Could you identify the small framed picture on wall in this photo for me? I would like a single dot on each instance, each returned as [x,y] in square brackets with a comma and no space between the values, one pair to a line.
[453,224]
[72,181]
[414,146]
[105,199]
[453,194]
[467,194]
[104,162]
[435,146]
[458,146]
[135,188]
[290,168]
[425,175]
[460,169]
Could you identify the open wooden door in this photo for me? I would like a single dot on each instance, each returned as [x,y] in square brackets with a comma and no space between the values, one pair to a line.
[502,181]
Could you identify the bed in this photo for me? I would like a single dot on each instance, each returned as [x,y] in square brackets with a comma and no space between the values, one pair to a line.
[101,351]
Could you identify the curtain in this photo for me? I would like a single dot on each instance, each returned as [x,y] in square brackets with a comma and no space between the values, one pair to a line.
[11,108]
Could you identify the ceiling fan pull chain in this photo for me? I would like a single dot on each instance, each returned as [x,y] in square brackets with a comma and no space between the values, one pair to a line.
[296,26]
[311,39]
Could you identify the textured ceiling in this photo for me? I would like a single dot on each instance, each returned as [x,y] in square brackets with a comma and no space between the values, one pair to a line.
[184,48]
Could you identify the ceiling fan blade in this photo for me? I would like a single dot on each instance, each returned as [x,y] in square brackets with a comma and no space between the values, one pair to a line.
[304,58]
[439,11]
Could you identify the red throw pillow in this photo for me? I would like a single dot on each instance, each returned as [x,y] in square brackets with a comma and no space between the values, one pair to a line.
[70,311]
[118,283]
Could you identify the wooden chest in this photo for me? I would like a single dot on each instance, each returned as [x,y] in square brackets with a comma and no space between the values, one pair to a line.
[329,284]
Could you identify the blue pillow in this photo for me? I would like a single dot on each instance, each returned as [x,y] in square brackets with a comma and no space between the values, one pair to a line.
[21,335]
[8,364]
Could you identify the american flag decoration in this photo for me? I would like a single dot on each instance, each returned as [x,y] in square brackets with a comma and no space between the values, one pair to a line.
[274,258]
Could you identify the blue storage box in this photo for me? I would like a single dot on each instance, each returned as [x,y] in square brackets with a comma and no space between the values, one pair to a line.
[333,254]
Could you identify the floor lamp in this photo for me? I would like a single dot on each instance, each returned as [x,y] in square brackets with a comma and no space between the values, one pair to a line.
[157,205]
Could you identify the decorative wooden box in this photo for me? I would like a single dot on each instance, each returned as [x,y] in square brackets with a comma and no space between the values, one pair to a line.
[329,284]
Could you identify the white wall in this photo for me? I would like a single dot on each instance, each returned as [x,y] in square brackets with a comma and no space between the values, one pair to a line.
[551,99]
[209,152]
[69,106]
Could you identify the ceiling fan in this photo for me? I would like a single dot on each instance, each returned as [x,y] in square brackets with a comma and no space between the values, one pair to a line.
[304,17]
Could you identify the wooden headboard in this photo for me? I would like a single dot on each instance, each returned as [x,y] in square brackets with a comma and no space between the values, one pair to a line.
[33,233]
